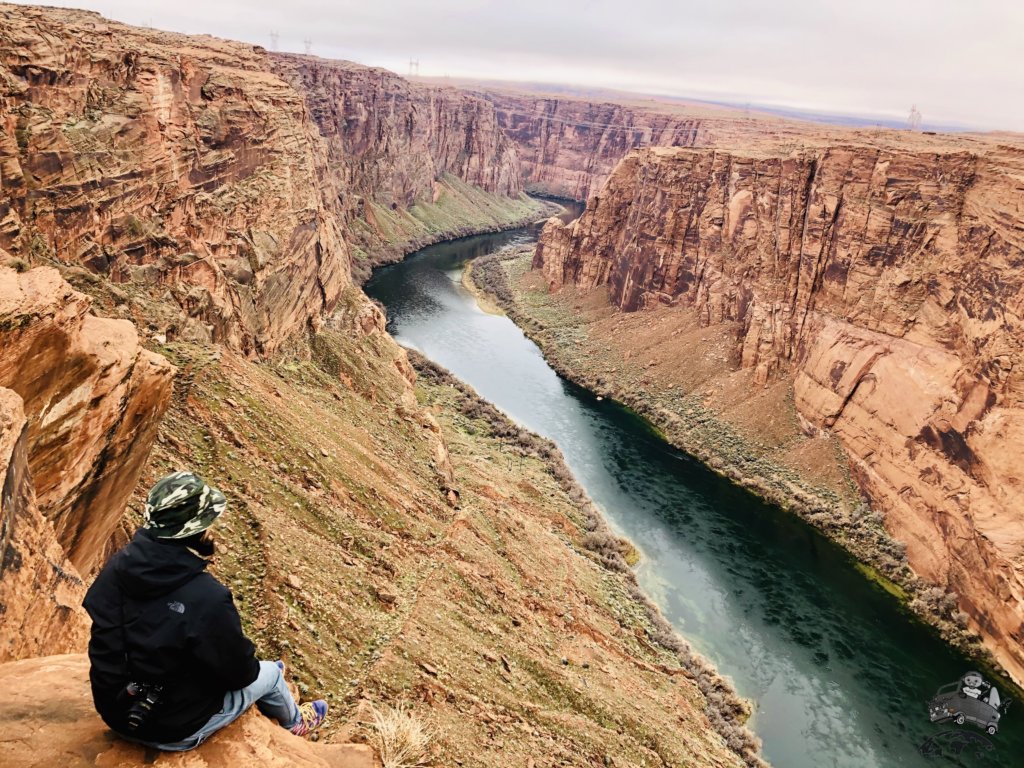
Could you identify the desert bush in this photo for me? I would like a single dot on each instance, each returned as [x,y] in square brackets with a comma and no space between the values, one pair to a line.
[17,264]
[399,736]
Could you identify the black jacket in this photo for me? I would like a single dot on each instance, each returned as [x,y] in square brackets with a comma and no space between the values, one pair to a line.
[158,617]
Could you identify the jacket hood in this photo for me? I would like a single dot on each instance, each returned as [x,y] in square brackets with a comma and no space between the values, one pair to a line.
[149,567]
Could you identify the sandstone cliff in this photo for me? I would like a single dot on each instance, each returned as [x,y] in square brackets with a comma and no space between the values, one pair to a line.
[568,146]
[884,282]
[181,163]
[80,403]
[408,164]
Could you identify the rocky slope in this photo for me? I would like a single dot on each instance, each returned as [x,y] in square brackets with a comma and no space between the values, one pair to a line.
[80,401]
[882,282]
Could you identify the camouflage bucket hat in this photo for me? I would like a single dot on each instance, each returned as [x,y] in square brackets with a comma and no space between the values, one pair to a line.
[182,504]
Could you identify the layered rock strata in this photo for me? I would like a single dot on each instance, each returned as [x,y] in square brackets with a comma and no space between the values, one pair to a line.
[886,284]
[407,164]
[182,163]
[227,179]
[80,402]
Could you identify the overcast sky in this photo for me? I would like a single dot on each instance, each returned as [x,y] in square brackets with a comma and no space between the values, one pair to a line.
[959,61]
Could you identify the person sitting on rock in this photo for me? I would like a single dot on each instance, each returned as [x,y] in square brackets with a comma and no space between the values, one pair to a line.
[170,664]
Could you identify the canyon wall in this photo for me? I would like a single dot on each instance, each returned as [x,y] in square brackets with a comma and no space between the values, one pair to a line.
[230,183]
[568,146]
[180,163]
[407,164]
[886,283]
[80,402]
[391,139]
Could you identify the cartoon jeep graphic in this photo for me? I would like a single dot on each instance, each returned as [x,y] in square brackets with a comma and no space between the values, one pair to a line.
[969,700]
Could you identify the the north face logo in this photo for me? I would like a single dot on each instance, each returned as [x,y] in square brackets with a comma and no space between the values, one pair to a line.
[176,607]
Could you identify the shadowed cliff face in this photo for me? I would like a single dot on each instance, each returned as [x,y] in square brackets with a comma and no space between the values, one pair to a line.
[568,147]
[886,283]
[80,402]
[40,591]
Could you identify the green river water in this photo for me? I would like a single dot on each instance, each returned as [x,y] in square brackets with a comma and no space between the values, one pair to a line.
[838,671]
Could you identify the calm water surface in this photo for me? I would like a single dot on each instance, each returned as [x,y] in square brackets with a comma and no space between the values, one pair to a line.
[838,672]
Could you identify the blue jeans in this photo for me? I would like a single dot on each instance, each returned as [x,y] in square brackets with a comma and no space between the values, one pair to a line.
[269,692]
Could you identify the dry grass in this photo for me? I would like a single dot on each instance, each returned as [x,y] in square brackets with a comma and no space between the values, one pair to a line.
[399,736]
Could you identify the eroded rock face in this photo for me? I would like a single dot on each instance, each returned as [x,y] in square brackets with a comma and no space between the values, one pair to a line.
[221,177]
[391,140]
[569,146]
[179,163]
[392,144]
[40,591]
[62,728]
[92,399]
[887,282]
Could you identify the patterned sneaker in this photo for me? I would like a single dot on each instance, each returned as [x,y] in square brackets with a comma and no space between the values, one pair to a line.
[313,715]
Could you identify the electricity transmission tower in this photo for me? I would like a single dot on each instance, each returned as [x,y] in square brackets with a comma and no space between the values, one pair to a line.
[914,121]
[273,40]
[414,67]
[308,44]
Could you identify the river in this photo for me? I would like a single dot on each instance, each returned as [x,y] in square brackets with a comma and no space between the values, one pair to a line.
[838,671]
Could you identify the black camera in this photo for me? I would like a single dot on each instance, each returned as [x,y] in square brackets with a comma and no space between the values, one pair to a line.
[144,698]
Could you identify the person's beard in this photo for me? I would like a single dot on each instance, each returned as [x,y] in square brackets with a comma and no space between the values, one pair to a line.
[202,543]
